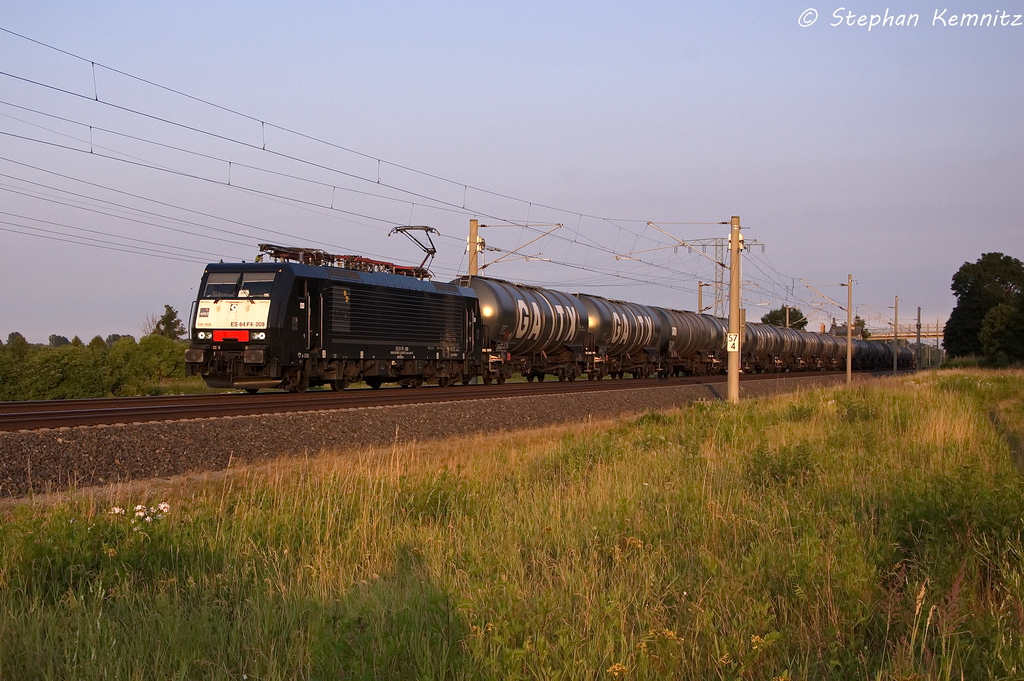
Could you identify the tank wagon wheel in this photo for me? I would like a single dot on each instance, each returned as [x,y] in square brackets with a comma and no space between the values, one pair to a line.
[530,378]
[375,382]
[252,391]
[487,379]
[339,384]
[412,383]
[500,378]
[445,382]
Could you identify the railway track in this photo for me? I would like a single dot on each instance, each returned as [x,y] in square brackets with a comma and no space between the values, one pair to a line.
[36,415]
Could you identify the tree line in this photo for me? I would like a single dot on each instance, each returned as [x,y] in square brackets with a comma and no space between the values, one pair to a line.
[988,320]
[116,365]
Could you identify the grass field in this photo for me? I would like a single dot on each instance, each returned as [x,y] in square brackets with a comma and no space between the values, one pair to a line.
[864,533]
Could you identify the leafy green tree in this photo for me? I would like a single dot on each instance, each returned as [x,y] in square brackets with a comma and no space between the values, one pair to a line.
[859,325]
[777,317]
[1002,332]
[169,325]
[57,341]
[980,286]
[64,372]
[136,368]
[17,346]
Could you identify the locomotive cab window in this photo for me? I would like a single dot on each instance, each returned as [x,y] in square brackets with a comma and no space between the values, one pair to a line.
[256,284]
[221,285]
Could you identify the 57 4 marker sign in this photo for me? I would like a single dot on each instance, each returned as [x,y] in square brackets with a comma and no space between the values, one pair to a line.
[732,342]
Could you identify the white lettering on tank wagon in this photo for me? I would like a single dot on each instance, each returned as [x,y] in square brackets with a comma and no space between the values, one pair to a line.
[528,320]
[233,315]
[621,332]
[567,319]
[620,327]
[522,318]
[538,322]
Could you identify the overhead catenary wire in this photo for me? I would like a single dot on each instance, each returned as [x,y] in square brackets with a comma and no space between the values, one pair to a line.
[263,125]
[580,237]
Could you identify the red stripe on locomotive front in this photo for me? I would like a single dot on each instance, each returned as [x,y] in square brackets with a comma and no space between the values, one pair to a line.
[241,336]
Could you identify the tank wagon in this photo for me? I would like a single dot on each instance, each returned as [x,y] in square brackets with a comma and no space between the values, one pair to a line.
[312,319]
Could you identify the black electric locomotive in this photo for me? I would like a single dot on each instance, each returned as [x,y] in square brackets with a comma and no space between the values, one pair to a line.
[294,325]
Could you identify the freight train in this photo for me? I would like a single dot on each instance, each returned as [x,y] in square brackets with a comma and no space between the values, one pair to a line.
[309,318]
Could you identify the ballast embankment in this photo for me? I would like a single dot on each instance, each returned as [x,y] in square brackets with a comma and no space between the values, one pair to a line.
[54,459]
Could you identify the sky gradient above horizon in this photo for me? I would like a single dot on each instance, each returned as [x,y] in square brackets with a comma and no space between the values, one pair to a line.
[894,153]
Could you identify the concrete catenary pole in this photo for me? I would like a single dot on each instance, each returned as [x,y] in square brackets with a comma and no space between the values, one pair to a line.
[895,335]
[849,328]
[474,247]
[917,350]
[733,338]
[700,297]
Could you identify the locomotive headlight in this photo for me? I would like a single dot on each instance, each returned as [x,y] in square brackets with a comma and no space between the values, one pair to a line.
[202,335]
[259,335]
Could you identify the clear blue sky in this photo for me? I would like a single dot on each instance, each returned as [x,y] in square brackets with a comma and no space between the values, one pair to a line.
[894,154]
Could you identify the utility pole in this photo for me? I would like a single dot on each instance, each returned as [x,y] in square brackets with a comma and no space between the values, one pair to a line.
[474,247]
[917,350]
[700,297]
[733,337]
[786,308]
[849,328]
[895,335]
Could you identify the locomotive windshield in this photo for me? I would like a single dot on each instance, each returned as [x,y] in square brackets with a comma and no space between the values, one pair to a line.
[256,284]
[221,285]
[225,285]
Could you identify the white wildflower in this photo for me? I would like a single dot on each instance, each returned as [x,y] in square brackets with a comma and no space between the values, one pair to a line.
[164,507]
[116,510]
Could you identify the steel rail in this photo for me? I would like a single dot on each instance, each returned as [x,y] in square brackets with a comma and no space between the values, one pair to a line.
[33,415]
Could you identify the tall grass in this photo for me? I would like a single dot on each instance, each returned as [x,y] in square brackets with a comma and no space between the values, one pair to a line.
[872,532]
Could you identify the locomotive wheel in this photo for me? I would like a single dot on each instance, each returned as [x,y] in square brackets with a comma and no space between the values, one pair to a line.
[562,378]
[500,379]
[445,382]
[297,382]
[375,382]
[487,379]
[252,391]
[412,383]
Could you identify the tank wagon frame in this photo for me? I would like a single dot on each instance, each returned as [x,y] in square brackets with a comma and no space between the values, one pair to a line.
[333,320]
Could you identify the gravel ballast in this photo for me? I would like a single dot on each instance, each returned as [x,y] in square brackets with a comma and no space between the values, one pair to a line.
[49,460]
